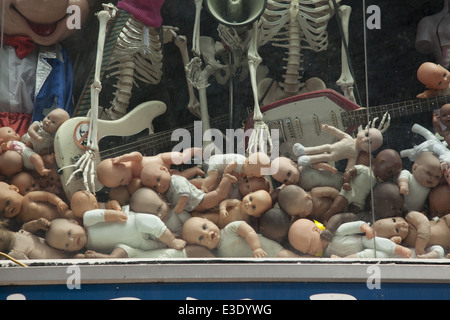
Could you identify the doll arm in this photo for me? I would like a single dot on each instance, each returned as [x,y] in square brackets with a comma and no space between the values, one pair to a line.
[349,228]
[113,205]
[436,125]
[334,223]
[35,225]
[403,182]
[180,157]
[115,216]
[428,94]
[182,201]
[49,197]
[248,233]
[334,131]
[32,132]
[133,156]
[225,204]
[422,225]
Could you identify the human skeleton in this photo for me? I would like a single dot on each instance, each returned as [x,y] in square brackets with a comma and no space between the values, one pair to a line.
[290,24]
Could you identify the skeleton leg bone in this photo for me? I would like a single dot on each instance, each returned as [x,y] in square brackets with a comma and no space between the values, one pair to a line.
[346,80]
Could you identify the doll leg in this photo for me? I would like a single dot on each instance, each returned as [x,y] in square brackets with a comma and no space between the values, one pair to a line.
[213,198]
[116,253]
[211,181]
[338,206]
[38,164]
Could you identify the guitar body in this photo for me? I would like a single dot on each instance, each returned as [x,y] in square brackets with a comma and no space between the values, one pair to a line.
[299,118]
[71,139]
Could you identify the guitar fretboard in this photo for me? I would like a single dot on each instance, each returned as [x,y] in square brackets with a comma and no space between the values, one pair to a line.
[396,110]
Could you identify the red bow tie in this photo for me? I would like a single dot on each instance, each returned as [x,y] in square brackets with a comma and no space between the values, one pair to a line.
[23,45]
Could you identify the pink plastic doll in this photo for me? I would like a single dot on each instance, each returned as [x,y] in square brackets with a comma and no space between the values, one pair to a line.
[417,231]
[444,119]
[31,160]
[285,171]
[436,79]
[182,194]
[32,206]
[415,185]
[253,204]
[41,134]
[304,236]
[237,239]
[252,166]
[122,170]
[25,182]
[346,147]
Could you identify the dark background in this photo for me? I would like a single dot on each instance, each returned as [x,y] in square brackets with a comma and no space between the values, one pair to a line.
[392,63]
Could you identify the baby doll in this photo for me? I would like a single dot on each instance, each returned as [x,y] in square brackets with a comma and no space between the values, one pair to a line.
[252,205]
[24,245]
[104,229]
[415,186]
[31,160]
[83,201]
[121,194]
[145,200]
[439,201]
[32,206]
[11,163]
[182,194]
[313,204]
[252,166]
[122,170]
[237,239]
[275,224]
[416,231]
[436,79]
[357,182]
[345,148]
[253,184]
[25,182]
[304,236]
[285,171]
[444,118]
[40,136]
[124,251]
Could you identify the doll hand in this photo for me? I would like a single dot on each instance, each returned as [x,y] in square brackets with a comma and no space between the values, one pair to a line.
[178,208]
[62,207]
[404,190]
[115,216]
[396,239]
[224,213]
[367,230]
[347,186]
[326,235]
[259,253]
[43,224]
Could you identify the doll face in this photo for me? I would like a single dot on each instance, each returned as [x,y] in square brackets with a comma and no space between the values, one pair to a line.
[304,236]
[66,235]
[201,231]
[156,177]
[54,120]
[9,134]
[45,21]
[433,76]
[256,203]
[390,227]
[387,165]
[253,184]
[285,171]
[444,115]
[427,171]
[10,200]
[114,175]
[369,137]
[25,182]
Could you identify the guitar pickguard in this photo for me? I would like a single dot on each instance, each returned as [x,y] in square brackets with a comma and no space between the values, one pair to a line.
[70,139]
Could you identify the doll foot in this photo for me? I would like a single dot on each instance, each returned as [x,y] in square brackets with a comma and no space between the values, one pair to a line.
[299,149]
[304,161]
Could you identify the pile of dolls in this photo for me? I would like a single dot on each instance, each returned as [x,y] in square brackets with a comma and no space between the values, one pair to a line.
[231,206]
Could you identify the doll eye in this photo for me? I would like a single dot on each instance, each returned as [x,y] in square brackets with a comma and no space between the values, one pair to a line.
[253,207]
[204,227]
[200,238]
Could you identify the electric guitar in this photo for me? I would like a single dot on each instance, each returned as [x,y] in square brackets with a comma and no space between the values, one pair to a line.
[299,118]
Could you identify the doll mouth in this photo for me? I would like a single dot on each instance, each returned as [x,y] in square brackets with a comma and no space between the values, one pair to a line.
[41,29]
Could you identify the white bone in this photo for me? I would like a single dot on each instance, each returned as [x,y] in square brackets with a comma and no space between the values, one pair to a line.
[346,81]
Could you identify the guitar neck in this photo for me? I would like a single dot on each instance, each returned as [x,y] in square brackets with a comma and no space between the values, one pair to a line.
[161,141]
[396,110]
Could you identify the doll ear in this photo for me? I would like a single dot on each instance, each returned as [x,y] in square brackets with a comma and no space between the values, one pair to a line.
[14,188]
